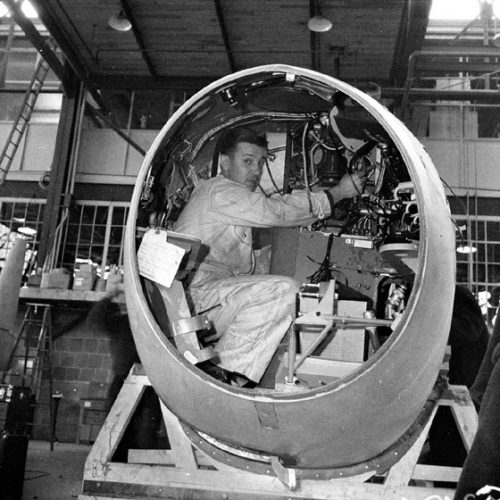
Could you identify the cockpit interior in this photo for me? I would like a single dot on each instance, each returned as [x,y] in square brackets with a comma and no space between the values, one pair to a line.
[357,267]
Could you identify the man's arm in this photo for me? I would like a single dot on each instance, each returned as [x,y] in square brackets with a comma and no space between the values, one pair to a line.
[349,186]
[237,205]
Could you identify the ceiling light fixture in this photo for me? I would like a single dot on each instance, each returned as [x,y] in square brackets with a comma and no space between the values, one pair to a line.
[465,245]
[27,231]
[465,249]
[119,22]
[319,24]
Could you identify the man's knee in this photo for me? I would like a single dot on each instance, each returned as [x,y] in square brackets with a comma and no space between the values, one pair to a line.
[289,287]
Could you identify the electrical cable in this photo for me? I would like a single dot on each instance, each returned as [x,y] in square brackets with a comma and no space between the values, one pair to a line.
[304,159]
[268,168]
[324,271]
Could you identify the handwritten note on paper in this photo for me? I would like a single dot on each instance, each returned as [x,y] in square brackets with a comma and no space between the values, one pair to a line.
[158,259]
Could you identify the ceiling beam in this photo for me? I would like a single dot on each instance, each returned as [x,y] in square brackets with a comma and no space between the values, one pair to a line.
[458,51]
[36,39]
[315,42]
[99,114]
[70,57]
[450,52]
[61,38]
[442,95]
[438,67]
[138,38]
[411,35]
[135,82]
[224,33]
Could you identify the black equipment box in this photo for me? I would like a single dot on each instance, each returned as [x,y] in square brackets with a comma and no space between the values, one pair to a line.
[13,451]
[15,409]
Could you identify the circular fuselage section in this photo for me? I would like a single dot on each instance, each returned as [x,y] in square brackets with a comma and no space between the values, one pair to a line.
[377,275]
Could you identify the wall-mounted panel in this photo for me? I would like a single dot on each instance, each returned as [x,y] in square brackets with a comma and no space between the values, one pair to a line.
[39,147]
[101,152]
[446,156]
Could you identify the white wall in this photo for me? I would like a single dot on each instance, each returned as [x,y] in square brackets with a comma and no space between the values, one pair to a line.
[35,152]
[104,157]
[473,163]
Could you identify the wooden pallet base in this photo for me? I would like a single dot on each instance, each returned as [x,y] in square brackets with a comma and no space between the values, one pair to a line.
[188,473]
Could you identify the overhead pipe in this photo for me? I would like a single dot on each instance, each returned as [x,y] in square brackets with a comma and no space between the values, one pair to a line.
[441,94]
[449,52]
[139,38]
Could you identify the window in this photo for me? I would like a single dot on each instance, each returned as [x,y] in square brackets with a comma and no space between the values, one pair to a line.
[94,233]
[480,271]
[21,218]
[140,109]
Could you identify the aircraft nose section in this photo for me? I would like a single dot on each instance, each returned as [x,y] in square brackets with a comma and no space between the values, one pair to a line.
[354,405]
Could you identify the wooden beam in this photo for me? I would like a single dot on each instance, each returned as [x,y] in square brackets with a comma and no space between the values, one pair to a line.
[36,39]
[184,471]
[117,129]
[47,53]
[225,37]
[138,37]
[412,29]
[120,480]
[54,26]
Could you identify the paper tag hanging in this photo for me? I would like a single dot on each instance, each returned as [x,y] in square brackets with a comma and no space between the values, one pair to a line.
[158,259]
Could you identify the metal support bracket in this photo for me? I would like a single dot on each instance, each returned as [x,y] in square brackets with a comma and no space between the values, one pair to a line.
[287,476]
[187,325]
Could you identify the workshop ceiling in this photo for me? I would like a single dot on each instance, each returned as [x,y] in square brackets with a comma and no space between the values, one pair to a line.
[369,41]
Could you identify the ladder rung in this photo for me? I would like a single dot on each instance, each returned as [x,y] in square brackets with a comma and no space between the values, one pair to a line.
[25,114]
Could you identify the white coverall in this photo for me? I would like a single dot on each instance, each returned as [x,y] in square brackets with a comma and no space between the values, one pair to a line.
[255,310]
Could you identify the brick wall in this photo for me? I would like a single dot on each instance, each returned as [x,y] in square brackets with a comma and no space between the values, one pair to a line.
[90,360]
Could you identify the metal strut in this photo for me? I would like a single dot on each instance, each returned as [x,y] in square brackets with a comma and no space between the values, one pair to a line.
[31,357]
[23,118]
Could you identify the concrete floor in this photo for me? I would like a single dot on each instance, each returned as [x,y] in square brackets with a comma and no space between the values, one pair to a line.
[54,475]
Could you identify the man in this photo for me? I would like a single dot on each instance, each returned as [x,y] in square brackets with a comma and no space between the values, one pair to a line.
[482,466]
[468,340]
[251,313]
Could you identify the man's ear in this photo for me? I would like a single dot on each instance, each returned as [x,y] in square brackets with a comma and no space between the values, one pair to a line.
[224,163]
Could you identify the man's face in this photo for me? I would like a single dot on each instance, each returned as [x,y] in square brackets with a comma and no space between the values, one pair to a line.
[244,165]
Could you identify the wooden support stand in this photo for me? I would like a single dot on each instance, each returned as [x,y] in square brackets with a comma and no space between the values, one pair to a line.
[183,471]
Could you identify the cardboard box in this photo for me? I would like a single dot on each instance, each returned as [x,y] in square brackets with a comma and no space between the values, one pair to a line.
[86,268]
[56,278]
[84,281]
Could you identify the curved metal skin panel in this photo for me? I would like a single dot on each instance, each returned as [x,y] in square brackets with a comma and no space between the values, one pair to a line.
[344,423]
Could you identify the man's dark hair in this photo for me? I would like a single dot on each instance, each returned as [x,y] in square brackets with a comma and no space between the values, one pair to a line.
[231,138]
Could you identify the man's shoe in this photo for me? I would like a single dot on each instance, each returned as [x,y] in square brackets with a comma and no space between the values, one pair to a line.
[215,371]
[238,380]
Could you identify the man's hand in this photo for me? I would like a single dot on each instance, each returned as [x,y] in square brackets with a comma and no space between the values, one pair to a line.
[349,186]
